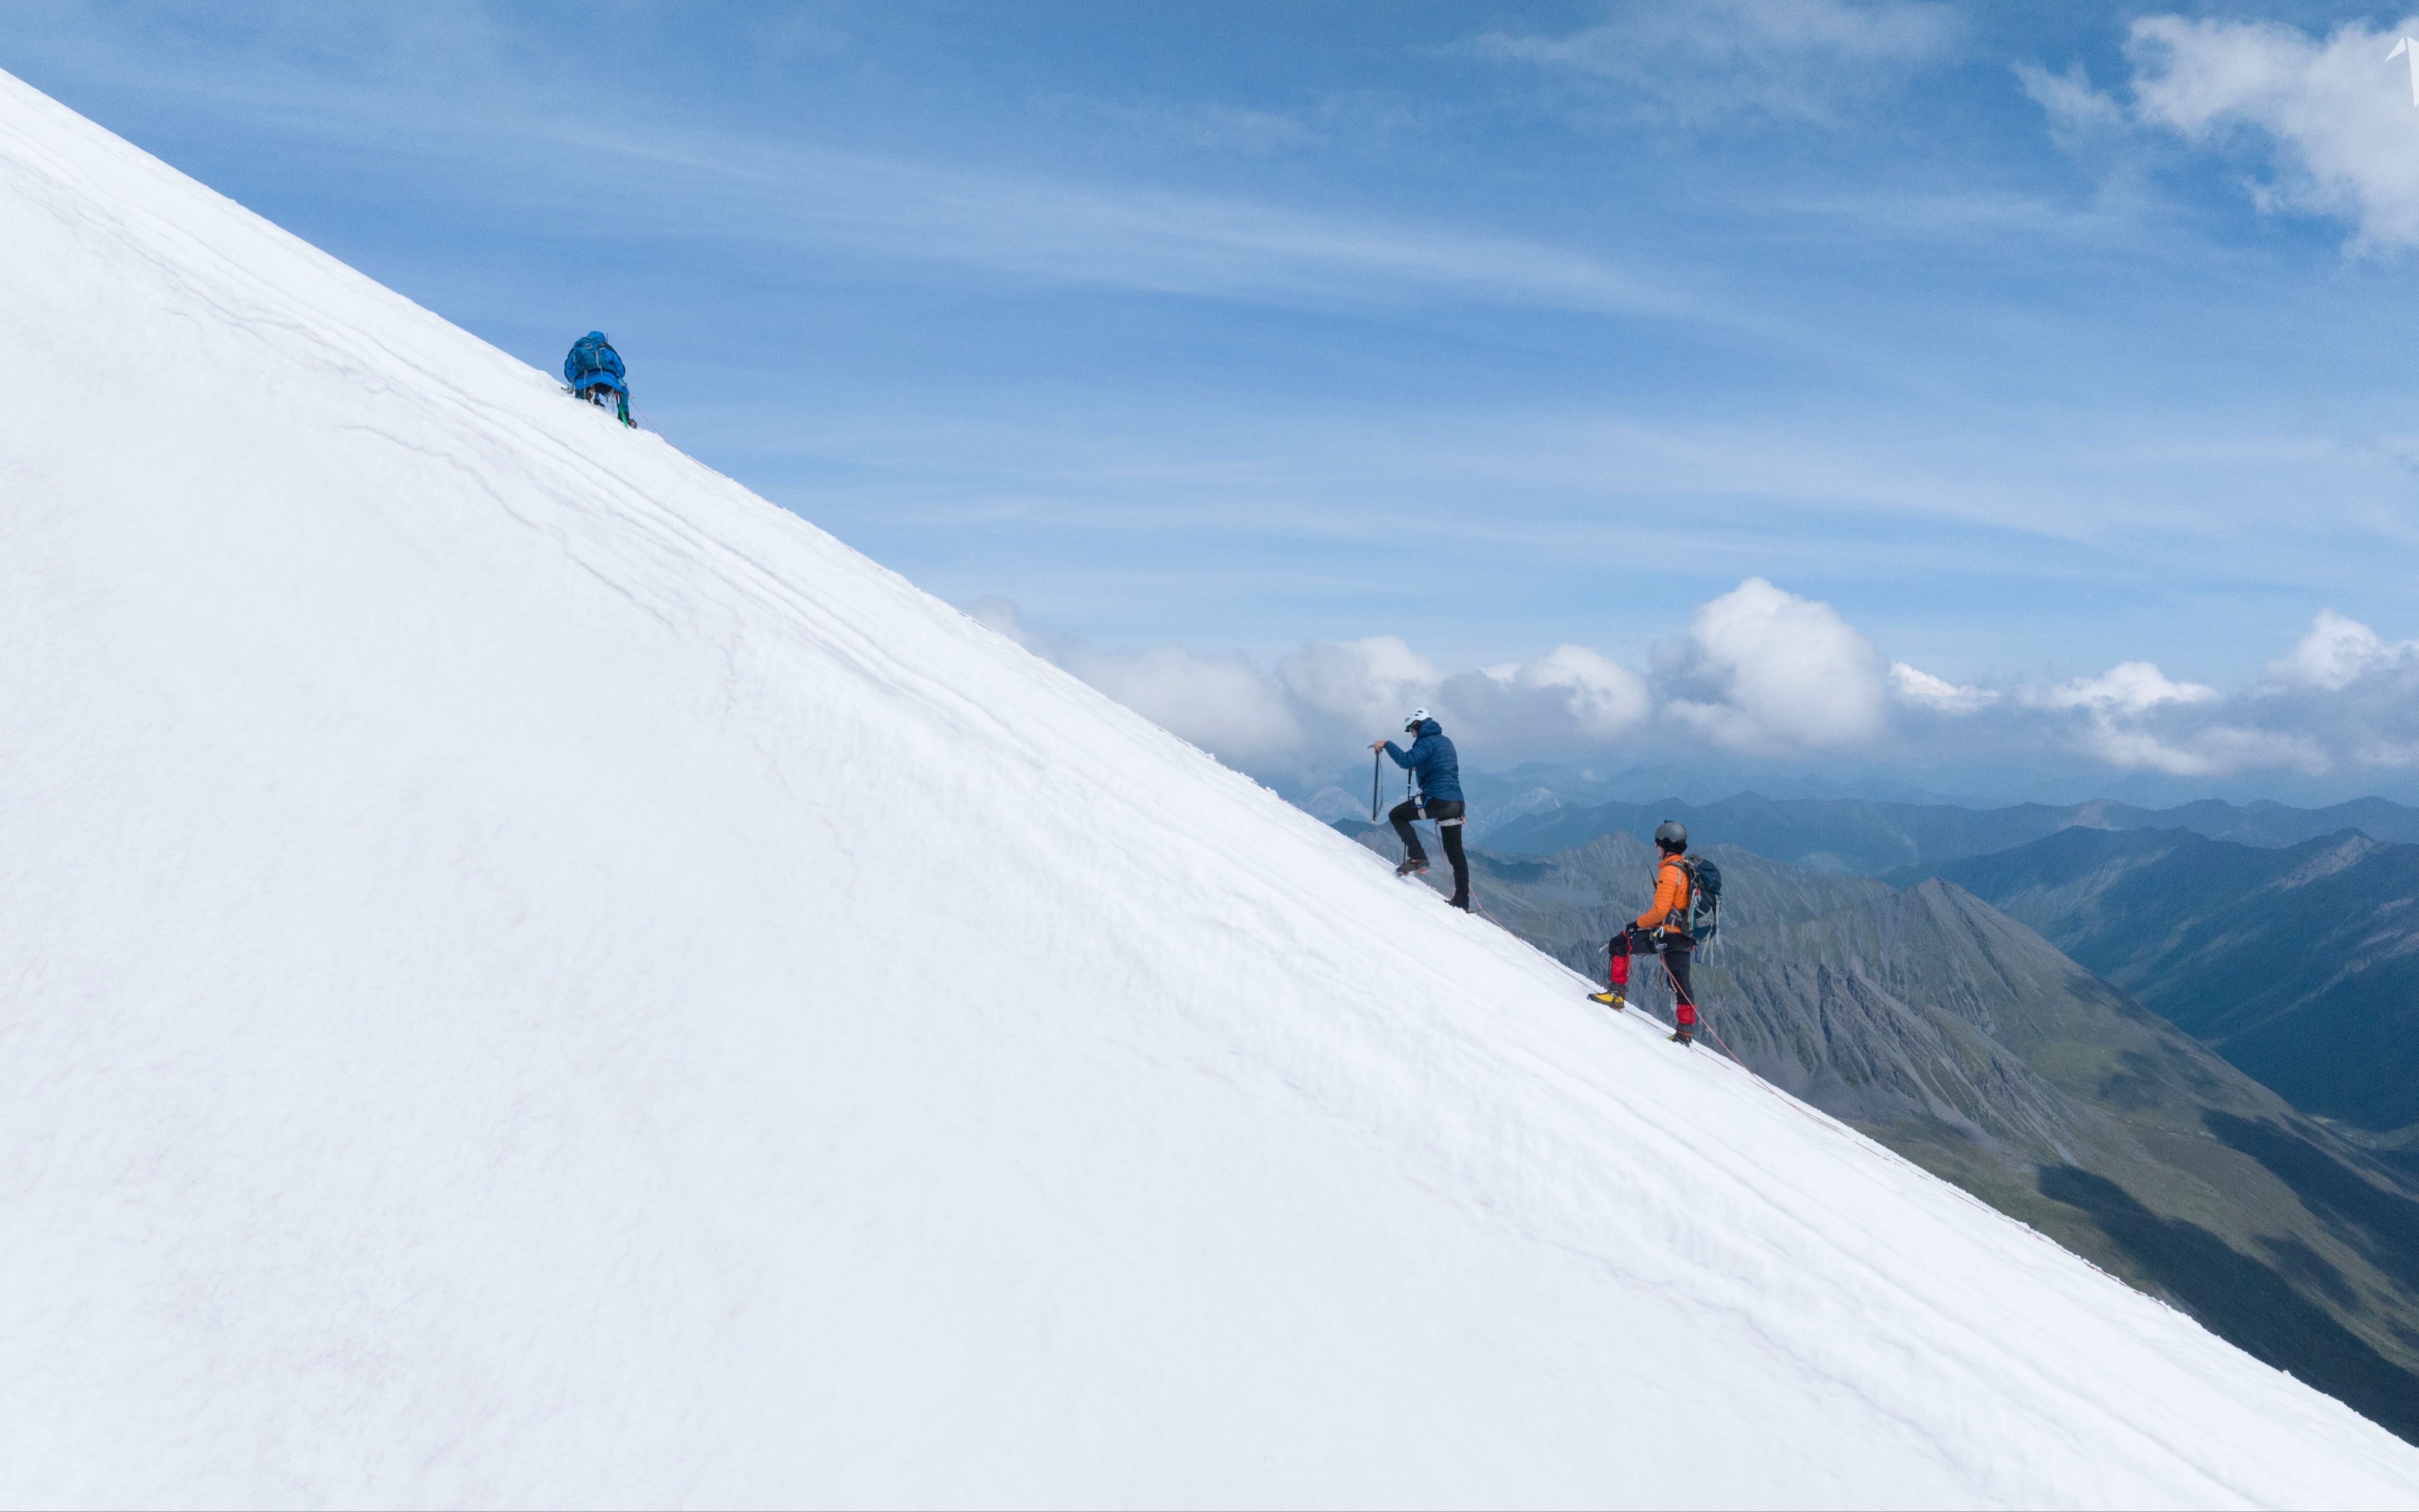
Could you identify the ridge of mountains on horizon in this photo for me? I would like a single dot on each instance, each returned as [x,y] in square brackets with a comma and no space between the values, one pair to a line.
[1868,836]
[1537,784]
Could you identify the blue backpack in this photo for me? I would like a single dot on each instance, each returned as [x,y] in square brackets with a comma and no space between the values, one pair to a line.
[593,364]
[1704,897]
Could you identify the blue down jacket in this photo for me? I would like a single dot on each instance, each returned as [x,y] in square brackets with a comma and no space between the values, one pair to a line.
[1431,757]
[594,364]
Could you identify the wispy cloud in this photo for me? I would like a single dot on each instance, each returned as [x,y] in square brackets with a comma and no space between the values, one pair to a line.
[1208,125]
[1149,241]
[1805,61]
[2328,119]
[530,156]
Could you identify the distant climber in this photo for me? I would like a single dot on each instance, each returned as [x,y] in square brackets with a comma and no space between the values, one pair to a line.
[593,370]
[1668,926]
[1437,771]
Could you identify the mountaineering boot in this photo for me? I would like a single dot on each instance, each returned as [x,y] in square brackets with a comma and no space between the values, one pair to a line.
[1611,998]
[1461,900]
[1412,866]
[1682,1037]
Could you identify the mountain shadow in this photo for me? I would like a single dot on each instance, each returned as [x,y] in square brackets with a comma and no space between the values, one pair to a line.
[2250,1304]
[2299,964]
[2383,1224]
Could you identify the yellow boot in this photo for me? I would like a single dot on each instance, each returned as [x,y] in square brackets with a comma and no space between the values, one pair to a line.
[1611,997]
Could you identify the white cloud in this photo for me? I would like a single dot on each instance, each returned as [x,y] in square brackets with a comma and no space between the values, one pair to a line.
[1784,672]
[1796,60]
[1605,699]
[2332,117]
[1330,697]
[1217,127]
[2078,113]
[1222,703]
[1763,671]
[1926,691]
[2206,752]
[2136,717]
[1373,682]
[457,81]
[2336,653]
[2128,688]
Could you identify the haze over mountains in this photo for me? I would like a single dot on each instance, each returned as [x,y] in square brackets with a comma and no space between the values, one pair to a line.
[1867,838]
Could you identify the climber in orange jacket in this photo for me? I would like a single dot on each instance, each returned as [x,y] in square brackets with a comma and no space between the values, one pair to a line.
[1664,926]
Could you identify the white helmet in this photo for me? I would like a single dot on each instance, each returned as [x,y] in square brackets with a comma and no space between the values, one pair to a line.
[1419,716]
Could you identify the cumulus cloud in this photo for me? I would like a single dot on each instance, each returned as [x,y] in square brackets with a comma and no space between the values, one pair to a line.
[1925,691]
[2329,119]
[1222,703]
[1794,60]
[1373,682]
[1767,672]
[1605,699]
[2113,729]
[1329,696]
[2349,695]
[2342,700]
[2128,688]
[1770,670]
[2337,652]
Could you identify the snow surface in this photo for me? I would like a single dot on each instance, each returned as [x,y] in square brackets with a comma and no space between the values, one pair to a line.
[529,975]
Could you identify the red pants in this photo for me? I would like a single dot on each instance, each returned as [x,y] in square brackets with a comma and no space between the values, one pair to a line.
[1676,961]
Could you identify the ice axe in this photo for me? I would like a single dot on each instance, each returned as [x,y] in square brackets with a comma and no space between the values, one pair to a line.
[1377,764]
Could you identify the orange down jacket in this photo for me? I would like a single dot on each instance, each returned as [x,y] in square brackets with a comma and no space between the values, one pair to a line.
[1671,900]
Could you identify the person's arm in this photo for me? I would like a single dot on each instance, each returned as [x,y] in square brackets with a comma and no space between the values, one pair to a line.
[1402,758]
[1667,896]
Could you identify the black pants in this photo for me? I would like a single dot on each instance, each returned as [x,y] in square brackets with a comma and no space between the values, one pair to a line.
[1678,955]
[1448,822]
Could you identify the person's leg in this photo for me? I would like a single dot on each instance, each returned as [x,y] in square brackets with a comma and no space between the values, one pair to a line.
[1616,974]
[1448,820]
[1683,999]
[1401,816]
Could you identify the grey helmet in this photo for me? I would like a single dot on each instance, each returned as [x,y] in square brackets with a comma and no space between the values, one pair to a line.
[1672,833]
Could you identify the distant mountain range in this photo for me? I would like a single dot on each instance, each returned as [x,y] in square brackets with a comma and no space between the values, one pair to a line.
[1532,785]
[1864,838]
[2299,964]
[1962,1039]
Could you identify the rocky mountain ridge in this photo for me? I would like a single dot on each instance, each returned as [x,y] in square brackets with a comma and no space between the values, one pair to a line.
[2299,965]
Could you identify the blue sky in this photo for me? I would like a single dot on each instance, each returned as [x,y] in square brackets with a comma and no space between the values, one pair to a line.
[1270,363]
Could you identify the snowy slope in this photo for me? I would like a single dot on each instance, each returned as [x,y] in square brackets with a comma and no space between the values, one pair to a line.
[528,974]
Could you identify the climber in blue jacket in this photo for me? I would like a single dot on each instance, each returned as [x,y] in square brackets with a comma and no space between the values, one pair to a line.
[594,372]
[1437,771]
